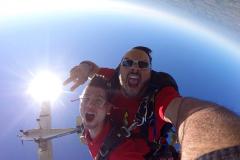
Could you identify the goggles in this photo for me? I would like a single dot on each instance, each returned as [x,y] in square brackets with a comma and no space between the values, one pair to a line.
[130,63]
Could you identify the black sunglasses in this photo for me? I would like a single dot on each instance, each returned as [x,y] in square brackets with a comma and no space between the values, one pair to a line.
[130,63]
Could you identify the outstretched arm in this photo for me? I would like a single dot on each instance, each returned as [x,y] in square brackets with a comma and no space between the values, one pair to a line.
[202,126]
[80,73]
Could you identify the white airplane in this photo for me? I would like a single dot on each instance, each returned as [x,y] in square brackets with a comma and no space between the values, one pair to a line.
[45,133]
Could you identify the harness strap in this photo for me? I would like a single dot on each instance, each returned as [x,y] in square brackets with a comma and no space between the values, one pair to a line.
[145,111]
[159,148]
[114,138]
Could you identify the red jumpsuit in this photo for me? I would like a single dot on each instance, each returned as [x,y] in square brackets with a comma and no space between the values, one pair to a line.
[126,108]
[130,149]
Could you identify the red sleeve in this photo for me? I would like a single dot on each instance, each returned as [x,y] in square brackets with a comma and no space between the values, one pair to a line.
[164,97]
[107,72]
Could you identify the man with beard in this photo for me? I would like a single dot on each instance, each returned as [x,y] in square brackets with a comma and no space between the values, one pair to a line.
[202,126]
[94,113]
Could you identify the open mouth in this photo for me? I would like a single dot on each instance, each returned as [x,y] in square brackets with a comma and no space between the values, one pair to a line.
[89,117]
[133,80]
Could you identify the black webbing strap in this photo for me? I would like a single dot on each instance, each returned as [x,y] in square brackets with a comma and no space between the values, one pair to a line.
[115,137]
[159,148]
[146,114]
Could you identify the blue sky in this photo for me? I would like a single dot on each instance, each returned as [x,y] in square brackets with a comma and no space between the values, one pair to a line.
[204,64]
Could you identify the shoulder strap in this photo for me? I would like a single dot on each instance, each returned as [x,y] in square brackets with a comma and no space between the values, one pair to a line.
[145,116]
[160,80]
[159,148]
[115,137]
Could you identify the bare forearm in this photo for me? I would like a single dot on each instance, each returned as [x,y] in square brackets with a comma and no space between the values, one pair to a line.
[203,126]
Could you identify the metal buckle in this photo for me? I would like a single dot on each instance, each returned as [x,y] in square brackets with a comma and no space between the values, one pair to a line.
[142,122]
[133,126]
[126,132]
[103,153]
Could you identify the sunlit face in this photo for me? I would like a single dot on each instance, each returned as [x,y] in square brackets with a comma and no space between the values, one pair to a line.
[93,107]
[134,72]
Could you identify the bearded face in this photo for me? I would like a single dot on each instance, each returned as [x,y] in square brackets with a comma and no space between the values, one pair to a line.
[134,73]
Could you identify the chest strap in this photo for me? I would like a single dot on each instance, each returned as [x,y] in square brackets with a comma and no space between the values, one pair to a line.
[115,137]
[119,133]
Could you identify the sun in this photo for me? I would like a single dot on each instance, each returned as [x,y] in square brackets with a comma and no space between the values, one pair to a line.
[45,87]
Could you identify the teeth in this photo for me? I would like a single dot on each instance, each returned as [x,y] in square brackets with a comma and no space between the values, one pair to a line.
[134,76]
[90,113]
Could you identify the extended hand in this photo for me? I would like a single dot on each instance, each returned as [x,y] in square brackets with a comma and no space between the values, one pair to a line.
[78,75]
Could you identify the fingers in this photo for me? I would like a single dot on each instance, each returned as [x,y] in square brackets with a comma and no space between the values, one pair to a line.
[67,81]
[72,76]
[78,75]
[78,83]
[75,81]
[74,69]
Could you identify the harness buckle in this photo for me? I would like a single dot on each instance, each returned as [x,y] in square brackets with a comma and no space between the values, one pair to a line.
[126,131]
[133,126]
[103,152]
[141,121]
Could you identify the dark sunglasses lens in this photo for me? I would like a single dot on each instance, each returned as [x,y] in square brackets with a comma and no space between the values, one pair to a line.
[127,63]
[143,64]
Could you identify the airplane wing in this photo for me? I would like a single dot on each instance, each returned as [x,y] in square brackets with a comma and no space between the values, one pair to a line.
[45,150]
[55,133]
[46,134]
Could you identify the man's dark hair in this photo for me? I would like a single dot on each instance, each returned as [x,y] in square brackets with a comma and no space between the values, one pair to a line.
[101,82]
[148,51]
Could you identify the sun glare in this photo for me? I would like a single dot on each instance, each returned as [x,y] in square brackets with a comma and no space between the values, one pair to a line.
[45,86]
